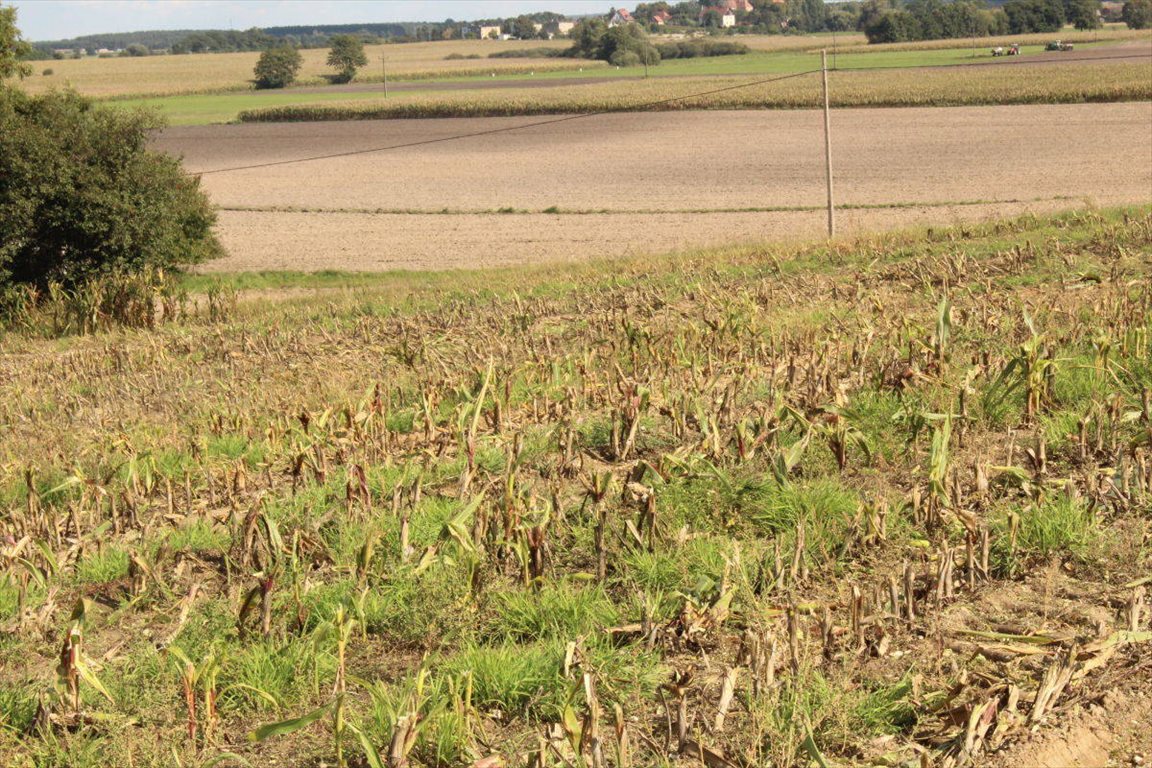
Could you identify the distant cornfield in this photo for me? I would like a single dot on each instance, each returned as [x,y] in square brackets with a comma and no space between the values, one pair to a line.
[1043,84]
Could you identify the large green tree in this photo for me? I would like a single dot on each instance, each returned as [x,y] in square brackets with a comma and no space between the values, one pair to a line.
[625,46]
[1138,14]
[12,46]
[893,27]
[277,67]
[807,15]
[1026,16]
[80,192]
[346,55]
[522,27]
[1083,14]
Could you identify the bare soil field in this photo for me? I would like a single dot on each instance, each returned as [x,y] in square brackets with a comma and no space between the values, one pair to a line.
[639,183]
[1120,51]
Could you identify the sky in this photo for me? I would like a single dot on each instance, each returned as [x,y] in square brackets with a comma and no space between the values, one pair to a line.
[63,19]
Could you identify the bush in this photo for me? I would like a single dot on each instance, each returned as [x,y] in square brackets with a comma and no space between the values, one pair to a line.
[529,53]
[277,67]
[48,72]
[623,58]
[82,196]
[691,49]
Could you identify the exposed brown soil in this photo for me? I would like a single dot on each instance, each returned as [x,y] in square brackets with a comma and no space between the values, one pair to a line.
[1120,51]
[1117,731]
[653,165]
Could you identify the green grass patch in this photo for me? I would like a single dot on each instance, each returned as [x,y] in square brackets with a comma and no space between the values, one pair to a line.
[104,565]
[560,612]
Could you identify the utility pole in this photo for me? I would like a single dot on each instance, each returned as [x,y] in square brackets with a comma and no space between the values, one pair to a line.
[384,65]
[828,146]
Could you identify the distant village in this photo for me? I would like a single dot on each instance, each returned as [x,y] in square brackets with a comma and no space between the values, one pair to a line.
[725,14]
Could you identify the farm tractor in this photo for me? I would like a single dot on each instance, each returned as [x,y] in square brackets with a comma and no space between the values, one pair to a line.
[1012,50]
[1058,45]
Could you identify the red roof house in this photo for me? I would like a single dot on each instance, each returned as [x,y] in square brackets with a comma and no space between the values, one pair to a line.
[620,17]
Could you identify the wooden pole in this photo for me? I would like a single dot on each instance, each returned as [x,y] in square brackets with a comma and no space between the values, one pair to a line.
[384,64]
[828,146]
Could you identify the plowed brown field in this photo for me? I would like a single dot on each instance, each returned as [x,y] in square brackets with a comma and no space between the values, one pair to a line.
[638,183]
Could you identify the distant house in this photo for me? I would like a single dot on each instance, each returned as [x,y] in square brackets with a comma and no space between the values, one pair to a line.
[559,28]
[1111,11]
[490,33]
[620,18]
[727,17]
[661,17]
[732,7]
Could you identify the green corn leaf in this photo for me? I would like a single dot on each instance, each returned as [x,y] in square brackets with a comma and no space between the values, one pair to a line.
[370,753]
[253,689]
[88,676]
[814,751]
[285,727]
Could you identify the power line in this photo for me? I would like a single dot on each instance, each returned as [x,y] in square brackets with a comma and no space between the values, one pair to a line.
[505,129]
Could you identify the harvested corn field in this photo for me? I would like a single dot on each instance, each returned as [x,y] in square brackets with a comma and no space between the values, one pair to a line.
[882,502]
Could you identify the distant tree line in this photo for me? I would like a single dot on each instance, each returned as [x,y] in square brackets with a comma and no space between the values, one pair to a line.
[936,19]
[230,41]
[895,20]
[880,20]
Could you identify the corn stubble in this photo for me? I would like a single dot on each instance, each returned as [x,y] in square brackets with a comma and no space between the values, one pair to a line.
[750,509]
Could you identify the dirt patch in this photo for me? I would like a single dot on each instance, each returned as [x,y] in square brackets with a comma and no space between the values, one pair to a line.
[1092,53]
[705,169]
[1116,732]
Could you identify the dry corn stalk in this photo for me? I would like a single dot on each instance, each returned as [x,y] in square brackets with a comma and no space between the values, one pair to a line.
[1056,677]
